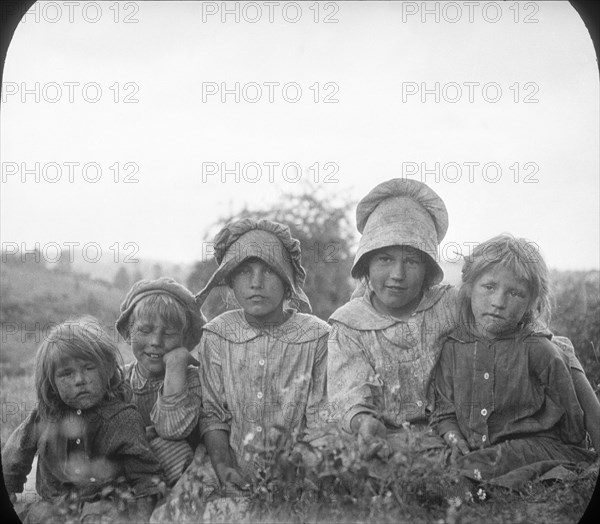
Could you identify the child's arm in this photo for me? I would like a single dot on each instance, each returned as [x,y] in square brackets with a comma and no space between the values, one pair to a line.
[18,454]
[216,418]
[177,408]
[443,418]
[585,393]
[548,363]
[127,446]
[317,388]
[176,363]
[351,383]
[224,464]
[589,404]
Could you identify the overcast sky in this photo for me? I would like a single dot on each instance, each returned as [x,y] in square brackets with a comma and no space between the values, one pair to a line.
[494,105]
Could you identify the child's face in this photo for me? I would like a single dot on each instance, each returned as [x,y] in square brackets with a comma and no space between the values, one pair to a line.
[396,276]
[151,339]
[259,291]
[79,383]
[499,300]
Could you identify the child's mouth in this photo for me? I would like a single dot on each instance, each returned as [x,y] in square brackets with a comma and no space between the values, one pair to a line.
[154,356]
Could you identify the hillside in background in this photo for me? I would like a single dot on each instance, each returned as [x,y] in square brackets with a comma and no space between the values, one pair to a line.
[34,298]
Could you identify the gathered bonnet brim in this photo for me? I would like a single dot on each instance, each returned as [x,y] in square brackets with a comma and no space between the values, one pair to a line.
[402,212]
[263,239]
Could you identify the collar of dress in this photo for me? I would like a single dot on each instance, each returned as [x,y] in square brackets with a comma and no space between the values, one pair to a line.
[466,334]
[298,328]
[360,314]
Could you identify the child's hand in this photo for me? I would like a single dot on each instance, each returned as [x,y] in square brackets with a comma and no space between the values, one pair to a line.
[457,443]
[13,498]
[151,433]
[178,358]
[372,436]
[369,426]
[231,476]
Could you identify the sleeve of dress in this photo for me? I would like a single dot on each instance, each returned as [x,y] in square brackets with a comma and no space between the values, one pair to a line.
[566,347]
[215,413]
[352,384]
[18,453]
[176,416]
[317,393]
[555,375]
[443,418]
[128,446]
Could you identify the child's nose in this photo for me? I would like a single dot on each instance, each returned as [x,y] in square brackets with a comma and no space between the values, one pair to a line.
[257,279]
[397,270]
[80,377]
[499,300]
[156,339]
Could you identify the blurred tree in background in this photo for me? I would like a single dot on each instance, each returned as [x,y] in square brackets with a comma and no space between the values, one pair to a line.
[121,280]
[320,220]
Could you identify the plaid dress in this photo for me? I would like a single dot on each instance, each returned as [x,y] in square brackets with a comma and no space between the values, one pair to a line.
[82,452]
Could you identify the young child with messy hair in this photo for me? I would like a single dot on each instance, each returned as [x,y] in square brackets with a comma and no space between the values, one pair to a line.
[385,341]
[85,432]
[505,399]
[160,320]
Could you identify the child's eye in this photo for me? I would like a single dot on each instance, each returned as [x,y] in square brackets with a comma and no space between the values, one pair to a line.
[90,367]
[384,258]
[515,293]
[412,261]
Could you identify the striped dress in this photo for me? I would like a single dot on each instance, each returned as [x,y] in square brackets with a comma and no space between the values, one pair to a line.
[254,379]
[171,421]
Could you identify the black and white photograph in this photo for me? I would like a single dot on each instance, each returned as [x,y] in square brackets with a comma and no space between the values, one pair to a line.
[302,262]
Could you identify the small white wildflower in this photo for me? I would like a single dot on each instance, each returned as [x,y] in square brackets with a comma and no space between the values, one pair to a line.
[477,474]
[481,494]
[454,502]
[452,438]
[248,438]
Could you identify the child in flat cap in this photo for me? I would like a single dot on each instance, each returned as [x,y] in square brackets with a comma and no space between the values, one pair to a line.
[263,365]
[162,323]
[384,343]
